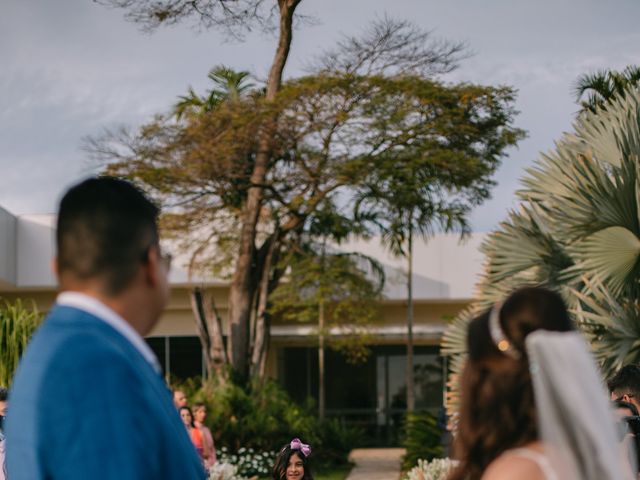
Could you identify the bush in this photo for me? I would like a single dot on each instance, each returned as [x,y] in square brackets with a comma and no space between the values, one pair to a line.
[262,417]
[421,438]
[248,462]
[17,325]
[337,440]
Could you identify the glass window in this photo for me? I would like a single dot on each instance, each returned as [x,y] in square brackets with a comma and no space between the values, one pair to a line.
[157,345]
[185,357]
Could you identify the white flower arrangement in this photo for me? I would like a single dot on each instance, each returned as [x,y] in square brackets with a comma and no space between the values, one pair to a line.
[224,471]
[248,461]
[436,469]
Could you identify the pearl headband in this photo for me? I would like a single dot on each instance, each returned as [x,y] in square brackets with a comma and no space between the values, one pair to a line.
[498,336]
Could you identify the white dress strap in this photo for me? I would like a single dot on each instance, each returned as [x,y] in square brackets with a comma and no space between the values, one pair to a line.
[538,458]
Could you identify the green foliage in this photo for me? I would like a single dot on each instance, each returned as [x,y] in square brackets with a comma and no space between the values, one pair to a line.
[338,138]
[577,231]
[346,286]
[229,85]
[17,325]
[602,86]
[262,416]
[367,134]
[421,438]
[337,440]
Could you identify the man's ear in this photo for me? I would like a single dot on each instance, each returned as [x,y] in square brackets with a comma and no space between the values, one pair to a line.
[54,267]
[152,266]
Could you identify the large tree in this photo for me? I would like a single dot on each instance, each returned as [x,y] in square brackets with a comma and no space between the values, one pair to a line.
[231,196]
[415,53]
[235,17]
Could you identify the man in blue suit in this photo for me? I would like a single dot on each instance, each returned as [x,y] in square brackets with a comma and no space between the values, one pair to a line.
[88,400]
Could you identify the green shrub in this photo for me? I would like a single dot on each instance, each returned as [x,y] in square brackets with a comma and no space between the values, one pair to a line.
[421,438]
[17,325]
[337,440]
[263,417]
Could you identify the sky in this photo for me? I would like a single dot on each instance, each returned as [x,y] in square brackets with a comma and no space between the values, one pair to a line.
[71,68]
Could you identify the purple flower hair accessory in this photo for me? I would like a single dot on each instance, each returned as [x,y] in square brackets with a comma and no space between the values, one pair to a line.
[296,444]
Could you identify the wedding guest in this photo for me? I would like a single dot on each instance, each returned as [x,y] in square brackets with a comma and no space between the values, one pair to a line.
[209,449]
[194,432]
[625,385]
[3,412]
[292,462]
[179,399]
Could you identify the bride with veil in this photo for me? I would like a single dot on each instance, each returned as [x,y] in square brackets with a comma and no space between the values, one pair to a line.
[533,405]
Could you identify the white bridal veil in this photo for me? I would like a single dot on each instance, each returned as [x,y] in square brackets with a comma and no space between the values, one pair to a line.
[575,419]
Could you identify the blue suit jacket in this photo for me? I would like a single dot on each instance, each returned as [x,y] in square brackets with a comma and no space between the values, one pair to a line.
[85,404]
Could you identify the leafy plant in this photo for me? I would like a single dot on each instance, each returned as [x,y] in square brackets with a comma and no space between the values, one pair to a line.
[577,231]
[248,462]
[17,325]
[337,439]
[260,417]
[422,437]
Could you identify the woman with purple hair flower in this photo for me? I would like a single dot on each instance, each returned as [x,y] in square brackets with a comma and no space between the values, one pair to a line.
[292,462]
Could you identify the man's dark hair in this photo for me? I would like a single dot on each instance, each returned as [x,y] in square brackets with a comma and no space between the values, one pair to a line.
[3,394]
[105,228]
[627,379]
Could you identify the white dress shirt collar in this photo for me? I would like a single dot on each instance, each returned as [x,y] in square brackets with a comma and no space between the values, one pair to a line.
[98,309]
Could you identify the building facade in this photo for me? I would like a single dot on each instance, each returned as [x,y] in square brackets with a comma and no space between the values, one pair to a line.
[371,393]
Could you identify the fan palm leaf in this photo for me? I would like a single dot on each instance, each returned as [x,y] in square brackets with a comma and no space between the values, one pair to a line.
[577,231]
[612,326]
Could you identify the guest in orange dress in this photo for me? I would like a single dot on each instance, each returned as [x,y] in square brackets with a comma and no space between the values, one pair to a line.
[200,414]
[194,432]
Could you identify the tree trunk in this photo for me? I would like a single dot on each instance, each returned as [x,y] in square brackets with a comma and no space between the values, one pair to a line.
[209,326]
[263,323]
[321,393]
[411,396]
[242,291]
[321,370]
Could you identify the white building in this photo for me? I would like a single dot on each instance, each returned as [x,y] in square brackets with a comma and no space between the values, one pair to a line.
[445,272]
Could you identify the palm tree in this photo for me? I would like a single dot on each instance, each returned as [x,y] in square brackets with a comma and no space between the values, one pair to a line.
[402,204]
[577,231]
[600,87]
[229,85]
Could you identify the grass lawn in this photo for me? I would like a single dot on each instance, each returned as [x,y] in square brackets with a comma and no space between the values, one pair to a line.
[336,474]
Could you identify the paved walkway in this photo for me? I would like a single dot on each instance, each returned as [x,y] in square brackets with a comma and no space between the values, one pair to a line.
[375,463]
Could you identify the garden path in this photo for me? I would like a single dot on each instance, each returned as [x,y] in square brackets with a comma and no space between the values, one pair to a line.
[376,463]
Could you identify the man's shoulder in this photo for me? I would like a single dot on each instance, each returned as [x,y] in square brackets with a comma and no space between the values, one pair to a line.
[70,347]
[65,333]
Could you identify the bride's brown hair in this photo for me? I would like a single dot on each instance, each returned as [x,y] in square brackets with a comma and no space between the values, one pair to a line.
[497,409]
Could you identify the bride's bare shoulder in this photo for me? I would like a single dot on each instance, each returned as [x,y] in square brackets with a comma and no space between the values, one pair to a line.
[508,467]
